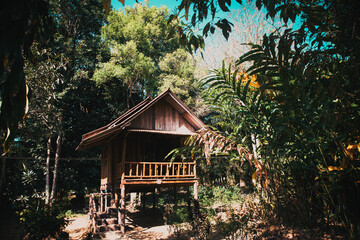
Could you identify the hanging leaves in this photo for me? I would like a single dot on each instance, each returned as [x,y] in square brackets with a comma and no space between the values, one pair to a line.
[212,142]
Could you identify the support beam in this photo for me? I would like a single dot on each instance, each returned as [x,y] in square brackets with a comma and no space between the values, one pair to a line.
[175,195]
[123,158]
[122,210]
[196,191]
[116,200]
[154,198]
[106,202]
[101,203]
[133,196]
[143,199]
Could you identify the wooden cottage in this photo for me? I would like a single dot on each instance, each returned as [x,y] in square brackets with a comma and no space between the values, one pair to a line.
[134,147]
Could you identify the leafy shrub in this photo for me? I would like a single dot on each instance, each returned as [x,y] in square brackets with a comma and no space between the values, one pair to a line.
[209,195]
[199,221]
[41,222]
[175,214]
[234,226]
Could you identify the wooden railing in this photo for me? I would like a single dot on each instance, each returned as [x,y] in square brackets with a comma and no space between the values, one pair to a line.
[98,202]
[159,170]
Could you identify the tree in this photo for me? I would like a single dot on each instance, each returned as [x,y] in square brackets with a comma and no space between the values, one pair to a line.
[249,25]
[304,107]
[62,95]
[45,116]
[129,65]
[136,52]
[178,73]
[19,26]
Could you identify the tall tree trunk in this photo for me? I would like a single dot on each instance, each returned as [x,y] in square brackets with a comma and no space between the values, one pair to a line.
[47,186]
[56,166]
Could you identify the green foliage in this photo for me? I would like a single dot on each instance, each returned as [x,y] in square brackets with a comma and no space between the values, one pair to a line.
[63,98]
[19,26]
[41,222]
[303,108]
[175,215]
[178,73]
[199,221]
[127,69]
[224,195]
[146,57]
[137,48]
[234,226]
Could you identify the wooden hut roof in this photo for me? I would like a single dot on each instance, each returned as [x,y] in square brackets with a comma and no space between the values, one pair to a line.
[109,131]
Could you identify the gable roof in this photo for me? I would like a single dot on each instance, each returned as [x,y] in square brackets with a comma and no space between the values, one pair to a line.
[109,131]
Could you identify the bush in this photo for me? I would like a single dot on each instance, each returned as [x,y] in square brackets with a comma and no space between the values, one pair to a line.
[199,221]
[209,195]
[40,222]
[233,226]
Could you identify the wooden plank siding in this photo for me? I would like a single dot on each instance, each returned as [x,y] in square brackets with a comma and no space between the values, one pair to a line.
[161,116]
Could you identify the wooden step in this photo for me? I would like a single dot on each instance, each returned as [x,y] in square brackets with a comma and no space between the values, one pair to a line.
[106,221]
[112,211]
[102,215]
[111,227]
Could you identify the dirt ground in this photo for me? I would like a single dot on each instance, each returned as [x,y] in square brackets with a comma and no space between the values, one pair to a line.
[77,228]
[139,225]
[148,225]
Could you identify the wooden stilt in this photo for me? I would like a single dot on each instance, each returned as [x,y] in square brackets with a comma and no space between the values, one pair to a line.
[122,210]
[154,198]
[116,200]
[133,199]
[143,199]
[175,195]
[196,191]
[101,203]
[105,205]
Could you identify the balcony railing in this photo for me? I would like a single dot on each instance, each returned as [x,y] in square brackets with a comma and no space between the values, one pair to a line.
[159,170]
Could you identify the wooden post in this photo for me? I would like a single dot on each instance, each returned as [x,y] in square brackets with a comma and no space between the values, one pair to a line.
[175,197]
[101,202]
[123,156]
[143,199]
[154,199]
[122,210]
[196,191]
[133,199]
[116,200]
[105,203]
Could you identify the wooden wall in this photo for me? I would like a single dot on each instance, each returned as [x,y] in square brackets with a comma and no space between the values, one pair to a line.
[162,116]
